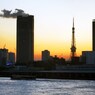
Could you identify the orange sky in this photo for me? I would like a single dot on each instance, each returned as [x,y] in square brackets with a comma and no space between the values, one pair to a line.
[53,25]
[57,43]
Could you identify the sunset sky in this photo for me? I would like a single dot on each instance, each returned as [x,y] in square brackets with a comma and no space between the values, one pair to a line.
[53,25]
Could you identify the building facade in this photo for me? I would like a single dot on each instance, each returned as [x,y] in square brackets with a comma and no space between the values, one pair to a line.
[3,56]
[11,57]
[88,57]
[45,55]
[93,35]
[25,40]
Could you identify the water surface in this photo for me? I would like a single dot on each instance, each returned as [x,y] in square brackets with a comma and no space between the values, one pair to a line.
[46,87]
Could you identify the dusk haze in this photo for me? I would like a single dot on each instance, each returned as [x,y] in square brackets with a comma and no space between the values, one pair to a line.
[47,47]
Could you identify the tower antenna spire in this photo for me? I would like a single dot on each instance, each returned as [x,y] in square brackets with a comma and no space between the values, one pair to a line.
[73,21]
[73,46]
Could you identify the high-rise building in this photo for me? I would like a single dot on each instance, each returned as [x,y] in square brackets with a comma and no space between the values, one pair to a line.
[45,55]
[93,35]
[25,39]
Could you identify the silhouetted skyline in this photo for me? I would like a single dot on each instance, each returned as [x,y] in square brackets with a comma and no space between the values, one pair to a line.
[53,25]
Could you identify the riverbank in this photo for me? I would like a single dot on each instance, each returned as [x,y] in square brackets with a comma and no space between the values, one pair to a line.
[52,75]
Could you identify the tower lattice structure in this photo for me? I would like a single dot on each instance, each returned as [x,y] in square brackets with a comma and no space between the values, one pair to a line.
[73,45]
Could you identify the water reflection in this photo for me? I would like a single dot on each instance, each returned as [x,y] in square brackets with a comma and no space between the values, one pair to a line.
[46,87]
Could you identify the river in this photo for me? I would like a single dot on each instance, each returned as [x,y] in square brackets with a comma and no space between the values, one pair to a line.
[46,87]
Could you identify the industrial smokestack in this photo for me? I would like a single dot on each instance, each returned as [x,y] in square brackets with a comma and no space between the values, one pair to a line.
[8,14]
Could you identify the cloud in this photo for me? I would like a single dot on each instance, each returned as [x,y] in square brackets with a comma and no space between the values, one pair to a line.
[9,14]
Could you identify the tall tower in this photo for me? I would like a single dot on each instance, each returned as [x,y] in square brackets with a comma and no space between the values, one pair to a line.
[25,39]
[93,35]
[73,46]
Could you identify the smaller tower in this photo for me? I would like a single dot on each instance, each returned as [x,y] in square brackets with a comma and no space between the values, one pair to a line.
[73,46]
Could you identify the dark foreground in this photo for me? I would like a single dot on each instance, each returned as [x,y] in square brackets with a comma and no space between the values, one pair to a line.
[52,75]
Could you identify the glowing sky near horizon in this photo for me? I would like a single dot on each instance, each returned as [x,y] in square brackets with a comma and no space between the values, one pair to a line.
[53,25]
